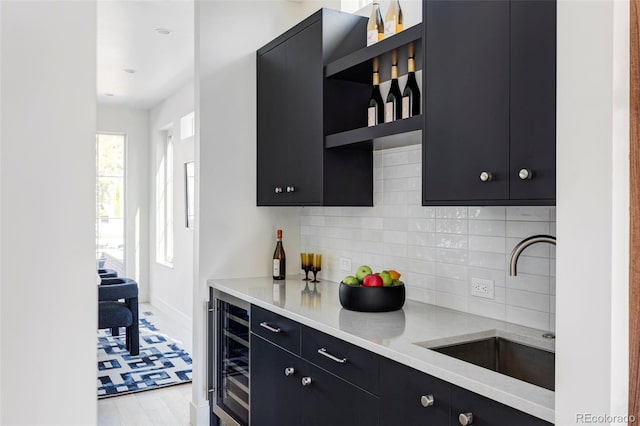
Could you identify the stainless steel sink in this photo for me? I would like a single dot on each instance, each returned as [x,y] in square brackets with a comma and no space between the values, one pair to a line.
[505,356]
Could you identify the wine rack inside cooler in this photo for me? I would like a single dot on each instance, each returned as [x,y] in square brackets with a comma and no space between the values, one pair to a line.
[233,361]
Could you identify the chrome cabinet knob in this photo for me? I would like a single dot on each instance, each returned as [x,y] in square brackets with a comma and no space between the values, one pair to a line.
[290,189]
[525,174]
[306,381]
[465,418]
[289,371]
[278,189]
[426,400]
[486,176]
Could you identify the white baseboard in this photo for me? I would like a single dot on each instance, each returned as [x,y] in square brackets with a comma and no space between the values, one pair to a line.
[166,308]
[199,414]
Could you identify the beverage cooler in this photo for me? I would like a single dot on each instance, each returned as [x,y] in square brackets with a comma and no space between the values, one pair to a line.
[228,360]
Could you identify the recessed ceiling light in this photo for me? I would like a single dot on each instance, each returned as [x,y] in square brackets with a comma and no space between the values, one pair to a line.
[163,31]
[109,94]
[129,70]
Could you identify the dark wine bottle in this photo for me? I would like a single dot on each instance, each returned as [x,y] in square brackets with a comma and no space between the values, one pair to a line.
[393,107]
[376,106]
[279,259]
[411,93]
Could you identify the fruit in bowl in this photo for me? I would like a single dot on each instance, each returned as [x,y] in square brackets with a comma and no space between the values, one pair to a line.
[372,292]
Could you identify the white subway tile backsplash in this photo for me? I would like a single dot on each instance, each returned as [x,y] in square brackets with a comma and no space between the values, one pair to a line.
[439,250]
[528,299]
[488,228]
[487,213]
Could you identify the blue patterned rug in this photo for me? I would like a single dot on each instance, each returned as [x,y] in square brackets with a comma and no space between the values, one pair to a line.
[161,362]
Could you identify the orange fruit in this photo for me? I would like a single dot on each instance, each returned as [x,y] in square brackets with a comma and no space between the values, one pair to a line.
[395,275]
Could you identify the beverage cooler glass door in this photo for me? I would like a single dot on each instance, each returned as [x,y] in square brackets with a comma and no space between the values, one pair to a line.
[230,399]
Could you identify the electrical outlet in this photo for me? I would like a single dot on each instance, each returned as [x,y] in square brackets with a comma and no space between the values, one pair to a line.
[345,264]
[482,288]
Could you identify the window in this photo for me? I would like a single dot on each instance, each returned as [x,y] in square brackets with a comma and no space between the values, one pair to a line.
[110,201]
[164,203]
[187,126]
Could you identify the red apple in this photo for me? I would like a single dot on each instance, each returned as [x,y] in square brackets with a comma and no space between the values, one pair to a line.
[372,280]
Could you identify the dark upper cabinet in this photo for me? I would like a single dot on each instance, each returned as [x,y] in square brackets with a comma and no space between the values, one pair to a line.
[296,106]
[489,102]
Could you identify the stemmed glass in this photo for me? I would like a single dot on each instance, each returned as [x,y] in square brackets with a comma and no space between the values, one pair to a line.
[316,266]
[305,261]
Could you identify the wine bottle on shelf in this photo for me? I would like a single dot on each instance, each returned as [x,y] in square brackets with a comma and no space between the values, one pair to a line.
[411,93]
[376,106]
[375,26]
[393,106]
[279,259]
[393,22]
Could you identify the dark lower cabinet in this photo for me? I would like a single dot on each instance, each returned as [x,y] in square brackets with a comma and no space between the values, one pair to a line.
[412,398]
[486,412]
[313,389]
[409,397]
[289,391]
[276,395]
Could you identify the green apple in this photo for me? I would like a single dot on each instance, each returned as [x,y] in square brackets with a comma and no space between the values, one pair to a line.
[386,278]
[396,282]
[362,272]
[351,280]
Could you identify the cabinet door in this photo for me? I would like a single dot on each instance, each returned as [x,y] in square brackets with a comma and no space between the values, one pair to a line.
[272,129]
[328,400]
[466,100]
[304,116]
[533,99]
[403,391]
[275,396]
[487,412]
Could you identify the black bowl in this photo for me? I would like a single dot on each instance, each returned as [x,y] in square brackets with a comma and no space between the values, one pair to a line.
[371,299]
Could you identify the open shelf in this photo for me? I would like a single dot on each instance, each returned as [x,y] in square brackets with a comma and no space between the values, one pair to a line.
[365,134]
[358,65]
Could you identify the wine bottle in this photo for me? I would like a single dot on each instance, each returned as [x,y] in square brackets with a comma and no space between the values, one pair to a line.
[393,107]
[279,259]
[393,21]
[375,26]
[411,93]
[376,107]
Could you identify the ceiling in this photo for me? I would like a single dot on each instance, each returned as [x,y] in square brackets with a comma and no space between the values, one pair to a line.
[127,39]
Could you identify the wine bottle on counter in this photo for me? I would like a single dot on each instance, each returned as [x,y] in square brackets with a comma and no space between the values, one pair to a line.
[393,106]
[393,22]
[279,259]
[375,26]
[411,93]
[376,107]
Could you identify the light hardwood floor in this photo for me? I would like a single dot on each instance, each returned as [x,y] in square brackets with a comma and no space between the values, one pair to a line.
[165,406]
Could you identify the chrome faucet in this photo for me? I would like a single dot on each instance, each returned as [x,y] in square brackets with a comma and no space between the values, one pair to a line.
[519,248]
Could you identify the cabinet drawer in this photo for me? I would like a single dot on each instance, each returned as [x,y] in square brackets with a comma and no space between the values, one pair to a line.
[276,329]
[349,362]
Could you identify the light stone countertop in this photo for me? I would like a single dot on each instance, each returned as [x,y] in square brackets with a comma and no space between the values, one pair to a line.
[394,334]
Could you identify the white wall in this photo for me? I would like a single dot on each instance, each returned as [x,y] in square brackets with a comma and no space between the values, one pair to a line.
[592,209]
[47,160]
[235,237]
[135,124]
[172,286]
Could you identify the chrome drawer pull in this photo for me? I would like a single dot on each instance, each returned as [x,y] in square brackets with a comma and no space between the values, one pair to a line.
[289,371]
[306,381]
[268,327]
[323,351]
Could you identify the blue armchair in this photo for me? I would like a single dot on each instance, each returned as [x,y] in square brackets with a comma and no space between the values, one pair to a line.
[118,307]
[107,273]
